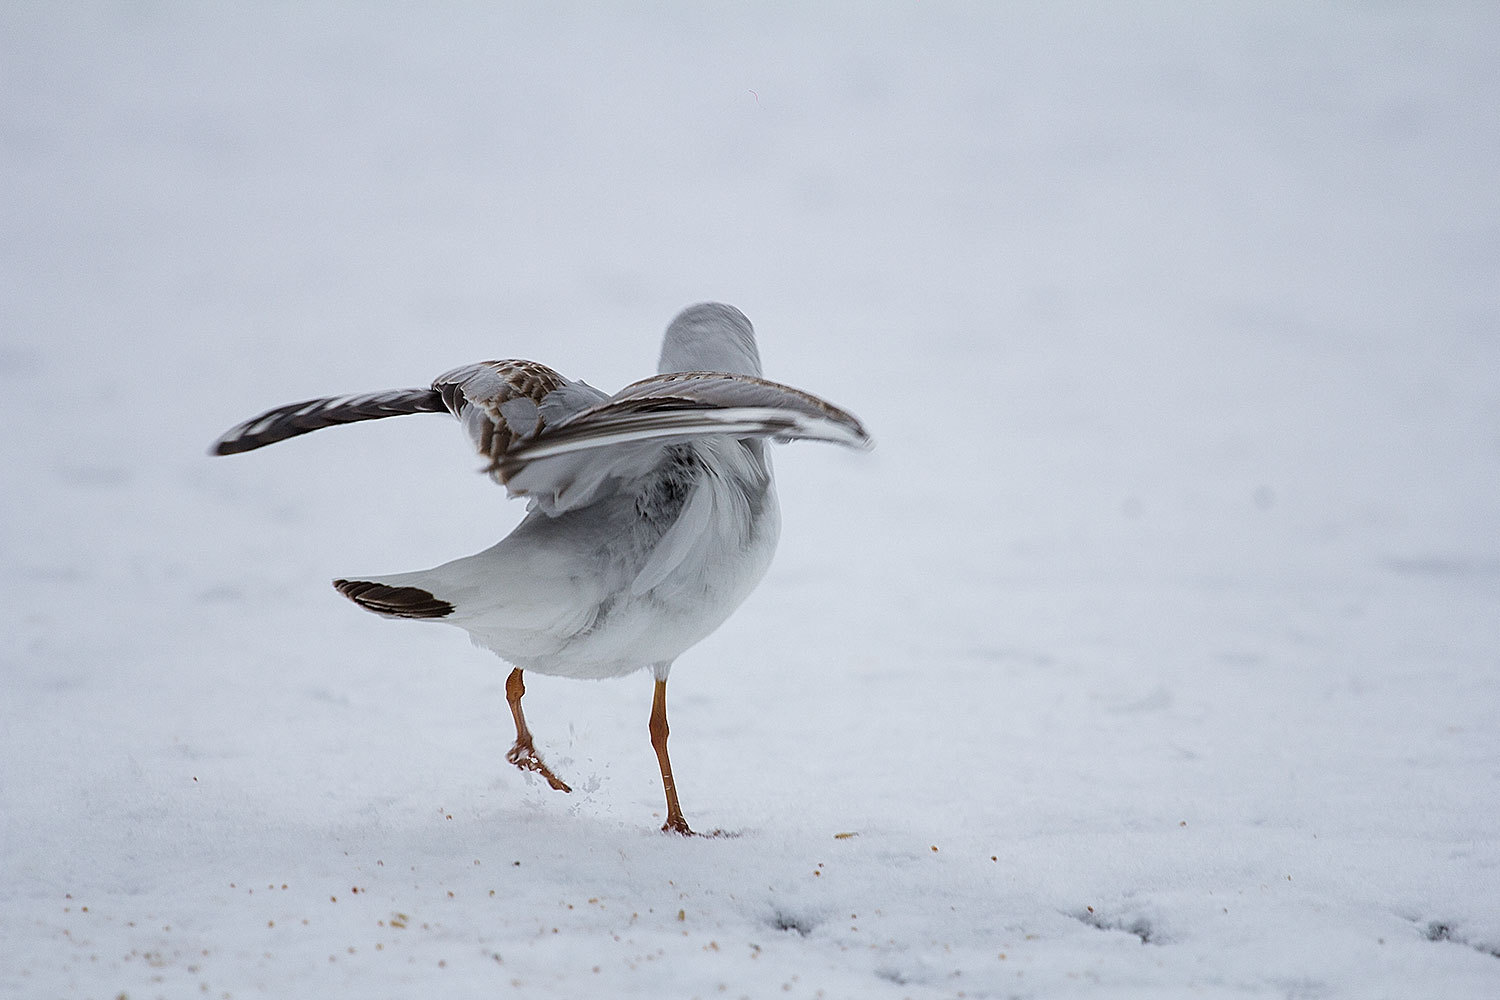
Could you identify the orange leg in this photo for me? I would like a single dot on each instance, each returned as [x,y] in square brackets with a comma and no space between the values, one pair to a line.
[523,754]
[675,823]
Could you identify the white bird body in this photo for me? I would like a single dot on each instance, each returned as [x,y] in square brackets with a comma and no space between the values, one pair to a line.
[601,591]
[652,513]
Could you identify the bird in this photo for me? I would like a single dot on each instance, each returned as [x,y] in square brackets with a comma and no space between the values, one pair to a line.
[651,513]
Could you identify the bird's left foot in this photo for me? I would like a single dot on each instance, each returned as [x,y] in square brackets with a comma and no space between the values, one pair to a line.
[524,756]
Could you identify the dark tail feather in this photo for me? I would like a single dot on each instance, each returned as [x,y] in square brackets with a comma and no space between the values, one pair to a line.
[394,602]
[315,414]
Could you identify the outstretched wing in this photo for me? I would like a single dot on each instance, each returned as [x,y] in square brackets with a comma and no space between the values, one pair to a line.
[559,442]
[684,405]
[497,402]
[565,464]
[315,414]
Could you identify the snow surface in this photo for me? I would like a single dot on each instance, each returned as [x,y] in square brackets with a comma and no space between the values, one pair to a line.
[1153,653]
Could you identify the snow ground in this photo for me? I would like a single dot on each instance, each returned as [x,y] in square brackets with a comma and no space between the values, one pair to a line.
[1152,654]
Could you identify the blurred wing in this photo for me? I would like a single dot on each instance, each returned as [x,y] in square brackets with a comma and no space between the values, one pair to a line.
[625,437]
[502,402]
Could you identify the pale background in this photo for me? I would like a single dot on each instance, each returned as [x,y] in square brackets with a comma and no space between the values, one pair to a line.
[1153,653]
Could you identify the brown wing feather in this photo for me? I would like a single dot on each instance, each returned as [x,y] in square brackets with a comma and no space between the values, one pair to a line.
[483,389]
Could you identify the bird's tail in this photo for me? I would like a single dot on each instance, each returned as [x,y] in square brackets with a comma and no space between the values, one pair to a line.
[315,414]
[394,601]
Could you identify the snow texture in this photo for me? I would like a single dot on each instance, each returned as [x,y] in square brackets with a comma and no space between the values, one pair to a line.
[1155,651]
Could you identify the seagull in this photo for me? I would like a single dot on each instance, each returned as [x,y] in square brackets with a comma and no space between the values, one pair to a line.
[651,514]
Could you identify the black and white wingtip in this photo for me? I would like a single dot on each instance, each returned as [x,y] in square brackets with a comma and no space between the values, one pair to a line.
[314,414]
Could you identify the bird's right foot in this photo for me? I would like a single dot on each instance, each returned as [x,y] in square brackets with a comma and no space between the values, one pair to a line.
[524,756]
